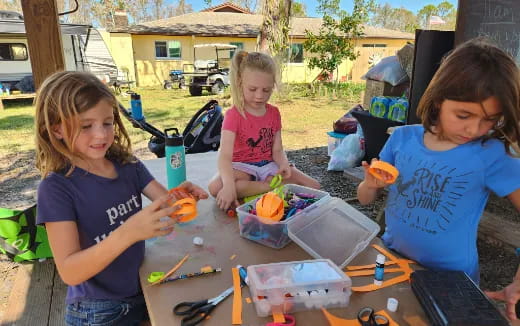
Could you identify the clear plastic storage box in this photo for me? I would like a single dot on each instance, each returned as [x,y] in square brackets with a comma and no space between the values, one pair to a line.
[266,232]
[333,230]
[294,286]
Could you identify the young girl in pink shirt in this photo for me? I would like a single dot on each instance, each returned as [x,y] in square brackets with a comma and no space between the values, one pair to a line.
[251,150]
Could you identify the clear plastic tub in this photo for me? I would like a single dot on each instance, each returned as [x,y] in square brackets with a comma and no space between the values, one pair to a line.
[333,230]
[266,232]
[295,286]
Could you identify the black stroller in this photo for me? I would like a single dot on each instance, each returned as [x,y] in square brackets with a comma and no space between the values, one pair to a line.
[202,134]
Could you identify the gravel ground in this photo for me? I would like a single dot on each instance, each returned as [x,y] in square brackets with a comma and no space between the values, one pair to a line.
[19,179]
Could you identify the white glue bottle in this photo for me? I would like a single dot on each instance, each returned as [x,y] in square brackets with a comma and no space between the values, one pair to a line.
[380,269]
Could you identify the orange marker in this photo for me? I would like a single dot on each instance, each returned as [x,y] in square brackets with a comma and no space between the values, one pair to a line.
[377,166]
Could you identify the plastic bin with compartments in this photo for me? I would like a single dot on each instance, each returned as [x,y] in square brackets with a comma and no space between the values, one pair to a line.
[295,286]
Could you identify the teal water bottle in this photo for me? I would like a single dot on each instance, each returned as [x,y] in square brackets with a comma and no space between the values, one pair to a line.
[175,157]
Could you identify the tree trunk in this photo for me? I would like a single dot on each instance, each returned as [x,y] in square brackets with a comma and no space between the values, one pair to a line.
[274,31]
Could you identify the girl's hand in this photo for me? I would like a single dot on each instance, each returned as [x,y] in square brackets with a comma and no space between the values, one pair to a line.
[151,221]
[373,182]
[195,190]
[226,197]
[285,170]
[510,295]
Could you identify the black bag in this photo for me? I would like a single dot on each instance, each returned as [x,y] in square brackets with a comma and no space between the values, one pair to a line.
[450,298]
[202,134]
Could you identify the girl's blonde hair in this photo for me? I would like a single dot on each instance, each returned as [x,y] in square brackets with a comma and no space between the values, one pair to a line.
[254,61]
[60,99]
[473,72]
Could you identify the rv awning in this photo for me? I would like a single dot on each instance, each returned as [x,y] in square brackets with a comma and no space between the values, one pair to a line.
[18,27]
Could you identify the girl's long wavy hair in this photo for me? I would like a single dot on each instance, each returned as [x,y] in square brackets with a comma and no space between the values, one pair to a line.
[60,100]
[473,72]
[256,61]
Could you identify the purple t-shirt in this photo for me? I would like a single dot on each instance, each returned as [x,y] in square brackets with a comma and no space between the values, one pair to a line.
[98,205]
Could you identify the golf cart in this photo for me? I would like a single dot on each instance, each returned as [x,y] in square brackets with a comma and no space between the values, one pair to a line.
[211,74]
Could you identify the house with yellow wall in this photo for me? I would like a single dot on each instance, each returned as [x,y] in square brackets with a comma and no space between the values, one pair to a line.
[150,50]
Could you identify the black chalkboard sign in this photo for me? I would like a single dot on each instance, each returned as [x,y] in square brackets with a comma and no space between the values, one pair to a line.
[499,20]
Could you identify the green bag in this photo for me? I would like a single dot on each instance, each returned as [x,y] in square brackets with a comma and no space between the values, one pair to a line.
[20,238]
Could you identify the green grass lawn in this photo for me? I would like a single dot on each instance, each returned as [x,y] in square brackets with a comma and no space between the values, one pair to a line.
[305,117]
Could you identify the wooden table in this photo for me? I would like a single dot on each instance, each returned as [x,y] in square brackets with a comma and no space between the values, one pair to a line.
[221,242]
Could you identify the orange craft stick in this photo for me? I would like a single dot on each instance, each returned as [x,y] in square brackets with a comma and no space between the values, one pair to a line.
[236,316]
[278,317]
[377,166]
[355,268]
[372,272]
[173,270]
[403,267]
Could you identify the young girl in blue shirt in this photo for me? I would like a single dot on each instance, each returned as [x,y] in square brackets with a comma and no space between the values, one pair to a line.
[464,149]
[90,200]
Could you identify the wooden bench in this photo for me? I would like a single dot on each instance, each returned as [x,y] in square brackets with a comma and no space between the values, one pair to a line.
[15,97]
[37,296]
[491,227]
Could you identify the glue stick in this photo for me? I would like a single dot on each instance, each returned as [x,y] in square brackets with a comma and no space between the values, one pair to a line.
[380,269]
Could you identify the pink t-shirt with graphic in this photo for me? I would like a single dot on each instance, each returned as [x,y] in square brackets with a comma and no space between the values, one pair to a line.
[254,136]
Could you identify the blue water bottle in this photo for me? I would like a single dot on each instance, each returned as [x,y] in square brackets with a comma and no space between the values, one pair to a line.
[136,107]
[175,157]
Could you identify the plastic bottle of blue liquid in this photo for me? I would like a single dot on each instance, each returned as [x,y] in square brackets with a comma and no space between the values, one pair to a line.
[136,106]
[175,157]
[380,269]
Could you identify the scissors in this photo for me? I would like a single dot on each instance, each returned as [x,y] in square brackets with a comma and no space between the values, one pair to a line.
[195,312]
[366,317]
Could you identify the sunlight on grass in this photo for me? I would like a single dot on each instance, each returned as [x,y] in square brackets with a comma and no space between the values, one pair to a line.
[305,119]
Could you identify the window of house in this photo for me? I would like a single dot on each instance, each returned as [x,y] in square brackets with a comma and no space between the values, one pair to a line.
[239,45]
[296,53]
[13,52]
[168,49]
[374,45]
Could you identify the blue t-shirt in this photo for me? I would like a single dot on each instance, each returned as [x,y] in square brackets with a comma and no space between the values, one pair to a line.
[434,208]
[98,205]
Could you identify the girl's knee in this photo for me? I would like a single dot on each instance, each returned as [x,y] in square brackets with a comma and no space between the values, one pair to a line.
[214,187]
[314,184]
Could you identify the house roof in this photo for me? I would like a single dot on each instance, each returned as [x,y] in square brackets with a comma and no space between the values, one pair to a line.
[228,7]
[206,23]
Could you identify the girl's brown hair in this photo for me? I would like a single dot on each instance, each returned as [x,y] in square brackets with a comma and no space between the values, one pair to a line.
[254,61]
[473,72]
[60,99]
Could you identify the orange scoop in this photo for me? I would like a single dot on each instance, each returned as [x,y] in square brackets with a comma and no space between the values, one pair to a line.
[377,166]
[270,206]
[187,204]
